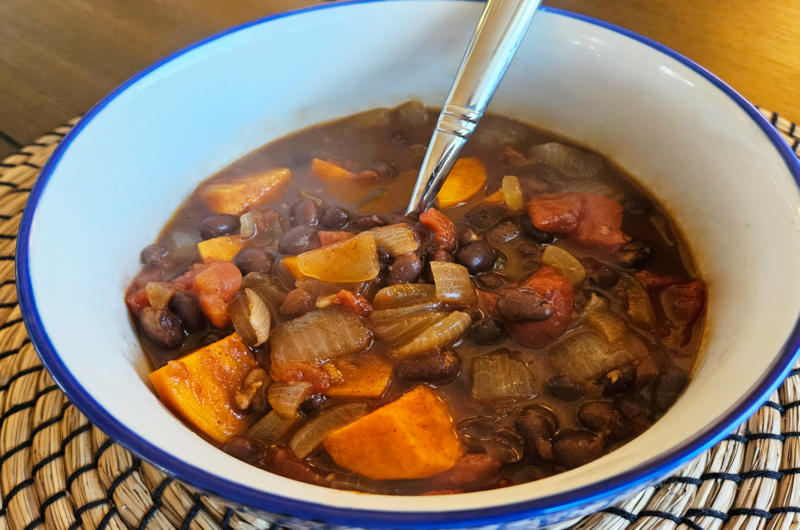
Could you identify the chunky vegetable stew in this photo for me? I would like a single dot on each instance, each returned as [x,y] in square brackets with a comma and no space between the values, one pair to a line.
[544,313]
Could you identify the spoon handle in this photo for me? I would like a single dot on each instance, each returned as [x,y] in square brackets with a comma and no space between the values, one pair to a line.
[494,43]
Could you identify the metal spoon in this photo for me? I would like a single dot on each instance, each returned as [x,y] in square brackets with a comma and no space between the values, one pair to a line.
[497,37]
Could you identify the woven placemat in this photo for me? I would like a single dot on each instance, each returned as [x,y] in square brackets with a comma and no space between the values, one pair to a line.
[58,471]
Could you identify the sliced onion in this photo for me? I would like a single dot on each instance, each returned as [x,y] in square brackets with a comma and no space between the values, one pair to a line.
[247,223]
[385,316]
[453,284]
[413,113]
[595,303]
[260,317]
[640,308]
[304,194]
[398,239]
[586,355]
[446,332]
[596,187]
[318,336]
[266,288]
[286,398]
[565,263]
[661,225]
[239,311]
[398,331]
[319,288]
[512,193]
[313,432]
[402,294]
[325,300]
[570,161]
[182,240]
[497,376]
[609,325]
[371,118]
[159,293]
[272,428]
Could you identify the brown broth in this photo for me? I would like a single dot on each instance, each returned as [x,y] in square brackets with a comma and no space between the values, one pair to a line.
[402,144]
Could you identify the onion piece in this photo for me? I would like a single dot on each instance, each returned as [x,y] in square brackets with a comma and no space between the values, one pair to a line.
[239,311]
[609,325]
[181,240]
[371,118]
[398,239]
[412,113]
[272,428]
[570,161]
[385,316]
[351,260]
[497,376]
[159,293]
[453,284]
[318,336]
[286,398]
[267,288]
[596,187]
[402,293]
[446,332]
[247,225]
[260,317]
[512,193]
[313,432]
[565,263]
[398,331]
[586,355]
[640,308]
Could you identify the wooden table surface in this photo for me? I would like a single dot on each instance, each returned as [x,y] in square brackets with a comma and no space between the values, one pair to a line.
[59,57]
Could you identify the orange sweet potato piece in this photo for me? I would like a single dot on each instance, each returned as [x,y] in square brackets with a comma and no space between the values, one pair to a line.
[291,264]
[331,173]
[236,196]
[200,387]
[222,248]
[412,437]
[216,284]
[586,218]
[465,180]
[444,230]
[556,291]
[365,376]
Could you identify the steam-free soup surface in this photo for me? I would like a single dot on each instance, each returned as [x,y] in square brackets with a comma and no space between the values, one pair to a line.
[541,315]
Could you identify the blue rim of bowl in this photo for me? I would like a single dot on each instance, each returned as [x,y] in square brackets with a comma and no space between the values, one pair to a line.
[594,494]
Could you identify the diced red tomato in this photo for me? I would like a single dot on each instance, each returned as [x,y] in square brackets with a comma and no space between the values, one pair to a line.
[319,378]
[444,230]
[216,284]
[556,291]
[329,238]
[585,218]
[355,303]
[655,283]
[683,304]
[136,295]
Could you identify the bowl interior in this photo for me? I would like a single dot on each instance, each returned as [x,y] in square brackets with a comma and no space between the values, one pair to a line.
[133,163]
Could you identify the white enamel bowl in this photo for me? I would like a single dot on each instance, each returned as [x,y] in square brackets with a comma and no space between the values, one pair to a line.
[726,176]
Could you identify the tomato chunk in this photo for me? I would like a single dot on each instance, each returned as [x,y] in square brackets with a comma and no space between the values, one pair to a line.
[444,230]
[556,290]
[585,218]
[355,303]
[216,284]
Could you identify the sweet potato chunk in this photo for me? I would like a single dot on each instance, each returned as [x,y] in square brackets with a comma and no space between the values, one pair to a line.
[331,173]
[253,190]
[556,291]
[200,387]
[220,248]
[294,269]
[465,180]
[351,260]
[364,376]
[585,218]
[412,437]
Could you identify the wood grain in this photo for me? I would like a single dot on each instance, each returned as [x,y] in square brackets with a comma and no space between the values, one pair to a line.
[59,57]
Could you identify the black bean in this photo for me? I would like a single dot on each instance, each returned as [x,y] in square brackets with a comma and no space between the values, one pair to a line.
[433,366]
[405,269]
[604,276]
[187,307]
[486,218]
[601,417]
[668,385]
[537,423]
[368,223]
[475,314]
[477,257]
[523,306]
[564,388]
[304,212]
[384,169]
[312,404]
[298,240]
[503,233]
[574,448]
[544,238]
[245,449]
[633,254]
[254,259]
[154,255]
[218,226]
[632,405]
[466,237]
[162,326]
[488,435]
[384,257]
[491,280]
[526,248]
[618,380]
[580,299]
[335,218]
[487,330]
[298,302]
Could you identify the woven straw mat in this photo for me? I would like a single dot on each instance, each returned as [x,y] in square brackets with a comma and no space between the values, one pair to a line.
[59,472]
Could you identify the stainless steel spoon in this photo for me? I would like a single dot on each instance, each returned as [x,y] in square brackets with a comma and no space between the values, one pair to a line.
[497,37]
